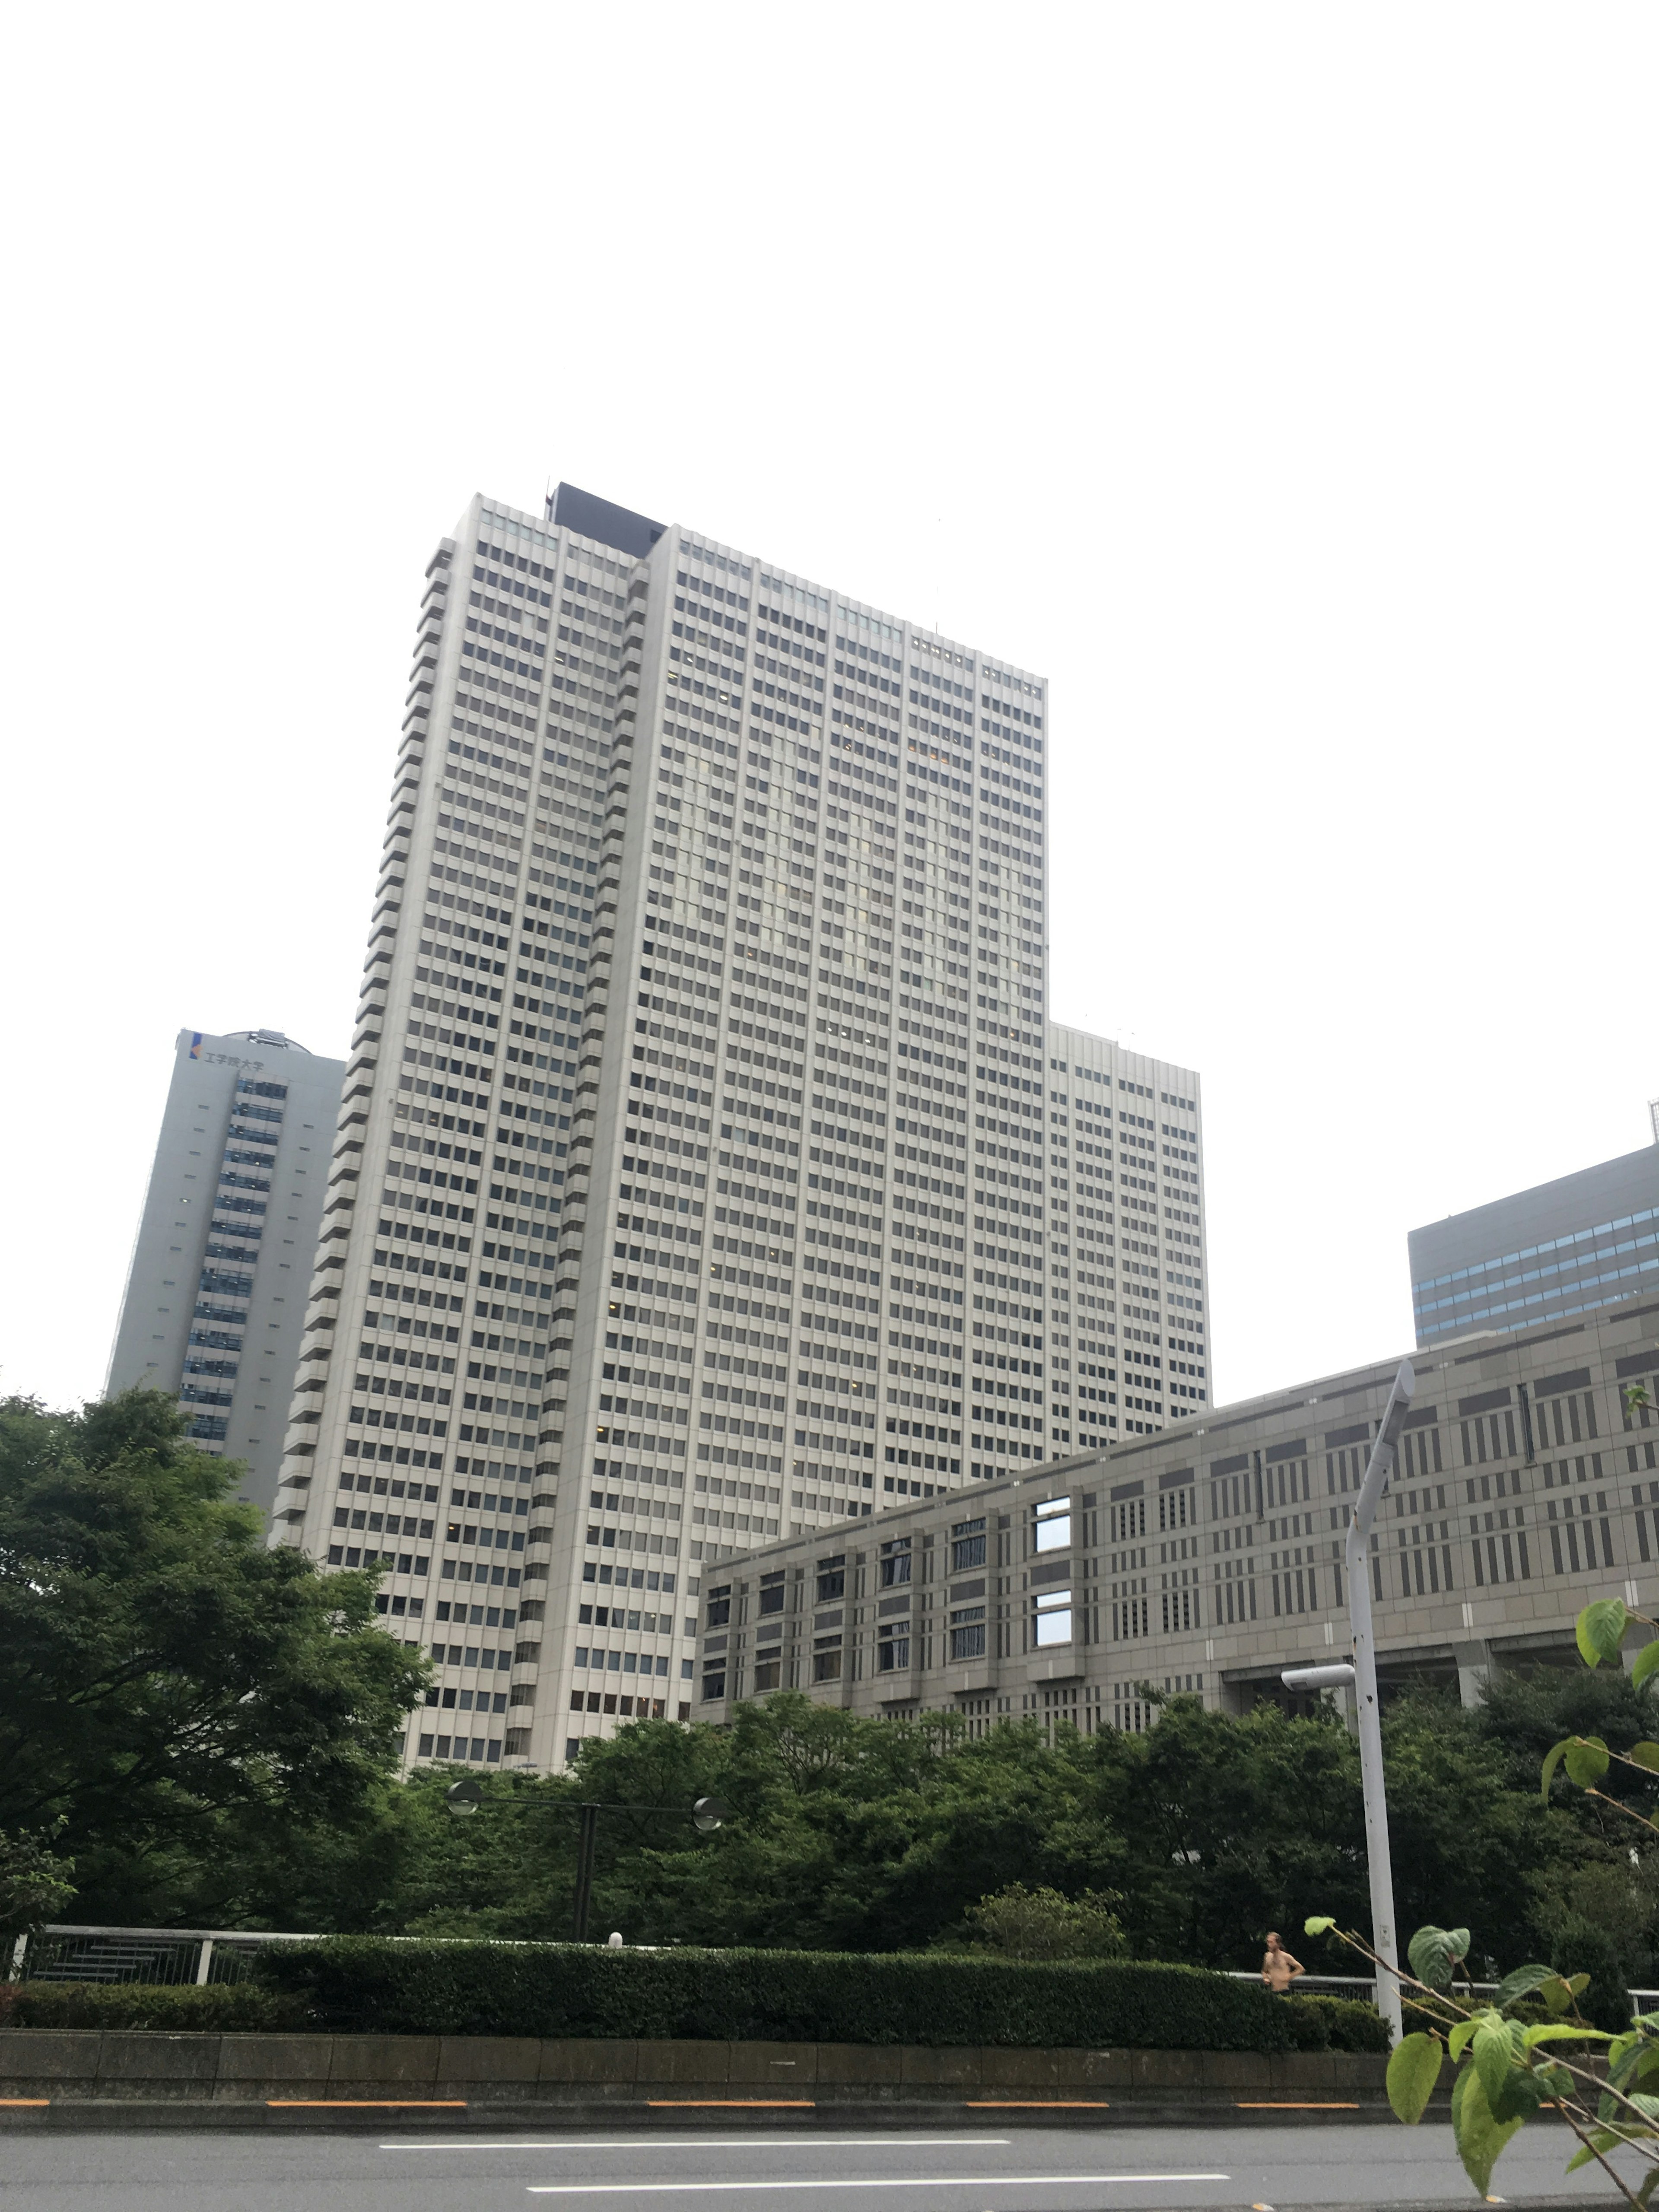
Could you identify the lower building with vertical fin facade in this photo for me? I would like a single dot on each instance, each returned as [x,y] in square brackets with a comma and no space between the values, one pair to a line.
[1206,1559]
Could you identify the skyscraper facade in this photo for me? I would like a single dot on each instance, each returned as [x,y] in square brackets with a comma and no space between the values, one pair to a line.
[1128,1313]
[709,935]
[222,1263]
[1567,1247]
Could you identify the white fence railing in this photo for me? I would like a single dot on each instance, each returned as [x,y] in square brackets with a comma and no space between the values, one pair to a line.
[168,1955]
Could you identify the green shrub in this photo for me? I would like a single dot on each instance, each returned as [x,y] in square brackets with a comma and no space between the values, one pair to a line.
[1580,1948]
[220,2008]
[1335,2024]
[368,1984]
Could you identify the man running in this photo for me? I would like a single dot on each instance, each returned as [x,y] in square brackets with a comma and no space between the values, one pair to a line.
[1279,1968]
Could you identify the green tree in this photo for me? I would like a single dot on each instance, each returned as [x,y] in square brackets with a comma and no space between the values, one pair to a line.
[36,1887]
[195,1712]
[1019,1923]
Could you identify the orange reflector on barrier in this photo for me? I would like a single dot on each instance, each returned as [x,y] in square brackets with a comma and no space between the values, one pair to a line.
[367,2104]
[1297,2108]
[23,2104]
[1033,2105]
[731,2104]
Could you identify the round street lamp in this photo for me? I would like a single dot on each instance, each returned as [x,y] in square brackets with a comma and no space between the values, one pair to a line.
[463,1798]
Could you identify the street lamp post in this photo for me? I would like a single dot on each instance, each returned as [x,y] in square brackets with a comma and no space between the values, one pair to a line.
[705,1814]
[1362,1674]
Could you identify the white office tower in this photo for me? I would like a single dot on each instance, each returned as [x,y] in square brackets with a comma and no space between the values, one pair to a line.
[708,940]
[221,1265]
[1129,1326]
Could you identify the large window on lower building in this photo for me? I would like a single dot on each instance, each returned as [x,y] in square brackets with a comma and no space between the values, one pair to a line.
[966,1545]
[968,1631]
[1052,1531]
[1053,1617]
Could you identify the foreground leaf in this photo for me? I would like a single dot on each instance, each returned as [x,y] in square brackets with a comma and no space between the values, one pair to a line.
[1603,2139]
[1559,1994]
[1493,2060]
[1479,2137]
[1586,1760]
[1600,1630]
[1644,1662]
[1413,2070]
[1631,2058]
[1322,1924]
[1434,1952]
[1564,2031]
[1553,1758]
[1645,1753]
[1520,1983]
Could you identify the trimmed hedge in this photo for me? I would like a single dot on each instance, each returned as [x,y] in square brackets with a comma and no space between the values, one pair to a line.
[370,1985]
[1336,2024]
[220,2009]
[418,2002]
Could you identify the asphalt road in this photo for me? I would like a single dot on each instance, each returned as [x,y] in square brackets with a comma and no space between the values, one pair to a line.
[805,2170]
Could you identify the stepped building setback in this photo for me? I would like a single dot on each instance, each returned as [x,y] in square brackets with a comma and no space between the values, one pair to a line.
[709,1170]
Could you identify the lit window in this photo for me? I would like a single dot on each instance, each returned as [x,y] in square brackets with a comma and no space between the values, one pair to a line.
[1053,1524]
[1053,1611]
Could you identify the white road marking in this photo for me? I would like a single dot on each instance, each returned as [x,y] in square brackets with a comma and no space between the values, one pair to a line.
[647,2141]
[927,2181]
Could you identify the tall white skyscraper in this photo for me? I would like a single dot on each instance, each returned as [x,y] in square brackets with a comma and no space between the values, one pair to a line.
[222,1261]
[709,937]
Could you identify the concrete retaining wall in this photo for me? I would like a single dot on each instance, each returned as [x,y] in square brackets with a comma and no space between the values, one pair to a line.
[89,2077]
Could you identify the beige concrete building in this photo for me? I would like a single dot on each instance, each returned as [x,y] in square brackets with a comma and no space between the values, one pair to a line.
[706,1172]
[1208,1559]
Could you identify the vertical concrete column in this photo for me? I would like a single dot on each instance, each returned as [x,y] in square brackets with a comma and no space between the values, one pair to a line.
[1474,1670]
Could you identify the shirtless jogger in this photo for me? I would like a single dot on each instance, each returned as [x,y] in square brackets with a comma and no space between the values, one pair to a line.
[1279,1968]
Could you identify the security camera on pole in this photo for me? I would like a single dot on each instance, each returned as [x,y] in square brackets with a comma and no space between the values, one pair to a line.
[1362,1677]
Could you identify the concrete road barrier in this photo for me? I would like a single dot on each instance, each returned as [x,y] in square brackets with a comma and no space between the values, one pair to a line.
[55,2077]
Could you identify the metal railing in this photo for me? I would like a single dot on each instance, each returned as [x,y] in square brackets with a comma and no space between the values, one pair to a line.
[1364,1987]
[173,1956]
[1321,1985]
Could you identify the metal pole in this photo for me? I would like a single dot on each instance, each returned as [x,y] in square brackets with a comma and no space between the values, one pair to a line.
[587,1837]
[1358,1555]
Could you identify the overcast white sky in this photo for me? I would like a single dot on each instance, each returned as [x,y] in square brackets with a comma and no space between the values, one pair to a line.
[1277,379]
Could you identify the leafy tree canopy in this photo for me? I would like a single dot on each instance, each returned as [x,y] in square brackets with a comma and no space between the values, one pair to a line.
[182,1707]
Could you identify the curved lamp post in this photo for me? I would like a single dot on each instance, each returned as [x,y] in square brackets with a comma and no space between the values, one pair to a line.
[1362,1674]
[464,1798]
